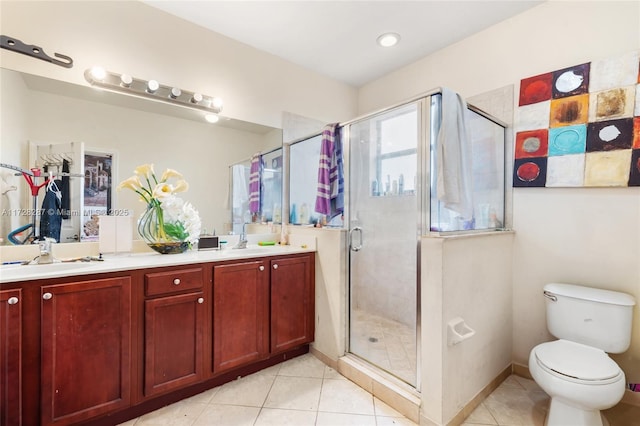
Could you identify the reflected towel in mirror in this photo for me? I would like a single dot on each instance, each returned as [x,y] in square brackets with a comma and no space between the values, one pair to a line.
[255,183]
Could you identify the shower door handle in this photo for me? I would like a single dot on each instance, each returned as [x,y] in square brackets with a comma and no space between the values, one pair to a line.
[351,233]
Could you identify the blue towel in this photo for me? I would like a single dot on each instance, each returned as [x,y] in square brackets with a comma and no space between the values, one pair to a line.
[330,193]
[50,215]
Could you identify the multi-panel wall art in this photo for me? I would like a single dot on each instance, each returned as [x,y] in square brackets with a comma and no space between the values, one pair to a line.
[580,126]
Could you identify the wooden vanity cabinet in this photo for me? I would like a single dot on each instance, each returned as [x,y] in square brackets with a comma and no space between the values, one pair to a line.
[11,357]
[292,302]
[261,308]
[85,349]
[240,314]
[174,325]
[102,349]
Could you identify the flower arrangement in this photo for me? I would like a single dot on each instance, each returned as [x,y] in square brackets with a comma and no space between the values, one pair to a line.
[169,225]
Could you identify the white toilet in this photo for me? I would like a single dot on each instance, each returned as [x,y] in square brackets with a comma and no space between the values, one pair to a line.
[576,371]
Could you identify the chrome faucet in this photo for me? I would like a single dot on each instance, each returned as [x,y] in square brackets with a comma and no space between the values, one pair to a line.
[46,256]
[242,242]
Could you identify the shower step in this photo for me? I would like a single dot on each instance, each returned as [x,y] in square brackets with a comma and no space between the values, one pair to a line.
[391,391]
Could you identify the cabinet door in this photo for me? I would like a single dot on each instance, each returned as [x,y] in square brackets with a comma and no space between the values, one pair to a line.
[10,357]
[240,314]
[292,298]
[174,329]
[86,343]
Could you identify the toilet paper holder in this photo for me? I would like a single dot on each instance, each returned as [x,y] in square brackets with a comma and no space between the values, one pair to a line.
[458,331]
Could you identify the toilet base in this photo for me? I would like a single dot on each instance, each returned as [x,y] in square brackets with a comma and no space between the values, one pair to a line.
[561,414]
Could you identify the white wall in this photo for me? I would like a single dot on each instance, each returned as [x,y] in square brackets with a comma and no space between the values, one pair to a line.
[13,87]
[331,290]
[582,235]
[468,277]
[131,37]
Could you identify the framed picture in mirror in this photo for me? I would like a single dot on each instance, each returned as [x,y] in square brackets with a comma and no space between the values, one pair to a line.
[97,191]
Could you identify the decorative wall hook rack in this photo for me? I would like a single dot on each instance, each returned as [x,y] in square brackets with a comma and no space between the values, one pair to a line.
[34,51]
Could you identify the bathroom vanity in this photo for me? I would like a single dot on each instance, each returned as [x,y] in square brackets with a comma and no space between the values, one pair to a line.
[104,342]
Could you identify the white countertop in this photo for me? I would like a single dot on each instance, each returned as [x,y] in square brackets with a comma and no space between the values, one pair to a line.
[126,262]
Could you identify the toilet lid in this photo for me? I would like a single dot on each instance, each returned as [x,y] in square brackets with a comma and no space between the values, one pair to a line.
[576,360]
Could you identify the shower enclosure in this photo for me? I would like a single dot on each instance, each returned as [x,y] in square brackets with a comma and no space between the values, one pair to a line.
[391,204]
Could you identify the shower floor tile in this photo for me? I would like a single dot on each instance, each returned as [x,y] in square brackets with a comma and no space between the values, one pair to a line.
[386,343]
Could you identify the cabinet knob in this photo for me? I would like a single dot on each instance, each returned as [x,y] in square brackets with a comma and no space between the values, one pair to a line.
[275,266]
[261,268]
[47,296]
[176,281]
[201,300]
[12,300]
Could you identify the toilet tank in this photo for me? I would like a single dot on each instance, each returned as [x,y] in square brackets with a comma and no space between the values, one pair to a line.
[591,316]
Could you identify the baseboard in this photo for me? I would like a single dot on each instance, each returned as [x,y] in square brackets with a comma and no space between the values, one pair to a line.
[632,398]
[326,359]
[466,411]
[522,371]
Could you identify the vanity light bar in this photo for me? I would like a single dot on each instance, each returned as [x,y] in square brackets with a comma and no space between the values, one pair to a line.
[151,89]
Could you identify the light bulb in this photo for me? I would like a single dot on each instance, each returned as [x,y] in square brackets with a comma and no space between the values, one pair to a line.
[98,73]
[126,80]
[216,103]
[197,97]
[175,93]
[152,86]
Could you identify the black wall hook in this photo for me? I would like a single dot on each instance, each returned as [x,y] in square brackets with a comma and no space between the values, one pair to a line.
[16,45]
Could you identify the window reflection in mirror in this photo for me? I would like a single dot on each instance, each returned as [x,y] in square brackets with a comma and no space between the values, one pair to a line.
[271,192]
[304,158]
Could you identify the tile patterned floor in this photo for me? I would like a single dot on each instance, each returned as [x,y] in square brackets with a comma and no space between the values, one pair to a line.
[519,401]
[386,343]
[304,391]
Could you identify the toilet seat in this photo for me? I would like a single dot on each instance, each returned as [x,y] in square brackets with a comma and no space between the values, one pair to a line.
[577,363]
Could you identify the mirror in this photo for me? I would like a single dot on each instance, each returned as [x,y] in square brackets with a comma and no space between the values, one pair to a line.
[268,210]
[44,113]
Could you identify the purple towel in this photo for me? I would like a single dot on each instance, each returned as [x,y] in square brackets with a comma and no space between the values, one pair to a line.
[330,193]
[255,183]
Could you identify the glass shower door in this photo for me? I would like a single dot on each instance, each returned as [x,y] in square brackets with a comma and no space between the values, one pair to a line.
[384,223]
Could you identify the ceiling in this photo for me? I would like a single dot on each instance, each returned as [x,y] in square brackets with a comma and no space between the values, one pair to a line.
[338,38]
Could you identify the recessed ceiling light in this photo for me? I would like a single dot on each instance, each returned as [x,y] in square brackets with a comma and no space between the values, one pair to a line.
[388,39]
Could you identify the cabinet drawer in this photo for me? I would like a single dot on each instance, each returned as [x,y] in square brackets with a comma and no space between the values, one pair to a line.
[173,281]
